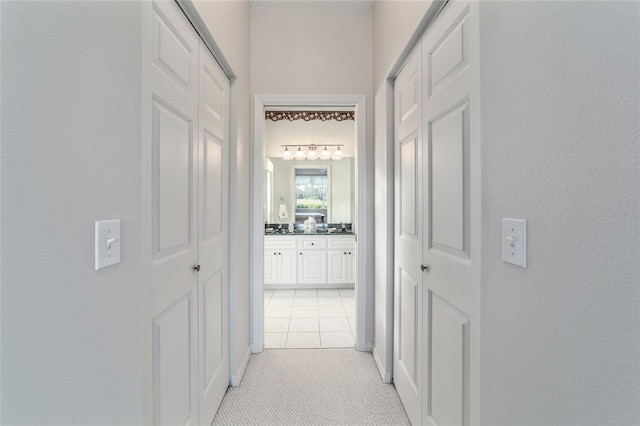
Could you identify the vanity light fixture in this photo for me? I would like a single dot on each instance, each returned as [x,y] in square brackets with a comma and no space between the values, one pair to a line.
[312,153]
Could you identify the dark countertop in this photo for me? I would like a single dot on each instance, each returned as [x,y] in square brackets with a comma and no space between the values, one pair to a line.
[317,233]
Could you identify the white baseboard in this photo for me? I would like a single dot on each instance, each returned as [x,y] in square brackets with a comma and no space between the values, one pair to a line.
[386,375]
[237,378]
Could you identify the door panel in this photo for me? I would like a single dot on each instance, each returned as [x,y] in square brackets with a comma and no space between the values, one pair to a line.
[449,55]
[213,241]
[174,362]
[212,327]
[408,241]
[173,48]
[213,214]
[449,366]
[174,151]
[173,186]
[449,142]
[451,214]
[408,338]
[409,185]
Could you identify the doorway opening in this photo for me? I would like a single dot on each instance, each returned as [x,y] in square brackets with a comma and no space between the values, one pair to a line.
[309,241]
[308,287]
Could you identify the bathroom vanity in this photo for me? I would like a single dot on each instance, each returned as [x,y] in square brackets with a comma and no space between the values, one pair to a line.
[322,260]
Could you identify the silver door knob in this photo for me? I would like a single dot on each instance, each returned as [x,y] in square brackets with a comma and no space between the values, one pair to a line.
[424,268]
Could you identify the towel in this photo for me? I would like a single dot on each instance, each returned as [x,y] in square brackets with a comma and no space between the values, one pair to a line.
[282,213]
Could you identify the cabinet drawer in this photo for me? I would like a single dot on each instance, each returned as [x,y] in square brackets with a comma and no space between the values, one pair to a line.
[312,243]
[277,242]
[348,242]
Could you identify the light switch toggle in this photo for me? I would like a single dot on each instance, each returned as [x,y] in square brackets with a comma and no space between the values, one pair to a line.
[511,240]
[107,243]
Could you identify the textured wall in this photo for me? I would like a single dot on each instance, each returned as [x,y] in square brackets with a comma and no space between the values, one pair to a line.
[70,155]
[560,136]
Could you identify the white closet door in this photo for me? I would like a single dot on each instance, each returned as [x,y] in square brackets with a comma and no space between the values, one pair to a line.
[213,235]
[174,291]
[451,215]
[408,331]
[189,272]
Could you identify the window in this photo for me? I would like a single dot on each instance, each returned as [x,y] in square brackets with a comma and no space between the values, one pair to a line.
[311,186]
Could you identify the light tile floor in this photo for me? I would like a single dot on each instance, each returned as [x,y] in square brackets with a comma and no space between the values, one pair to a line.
[322,318]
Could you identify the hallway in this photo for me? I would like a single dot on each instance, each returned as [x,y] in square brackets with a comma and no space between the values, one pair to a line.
[311,387]
[101,97]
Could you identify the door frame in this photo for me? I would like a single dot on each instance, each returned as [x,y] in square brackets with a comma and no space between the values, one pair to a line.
[363,289]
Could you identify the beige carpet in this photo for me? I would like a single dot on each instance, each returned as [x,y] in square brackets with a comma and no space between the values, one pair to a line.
[311,387]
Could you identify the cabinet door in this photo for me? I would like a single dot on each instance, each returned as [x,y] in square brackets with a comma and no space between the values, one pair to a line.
[287,267]
[312,267]
[337,266]
[270,267]
[351,266]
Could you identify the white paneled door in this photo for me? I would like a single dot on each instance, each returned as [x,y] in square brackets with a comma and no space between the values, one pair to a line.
[437,266]
[213,234]
[189,272]
[451,245]
[408,331]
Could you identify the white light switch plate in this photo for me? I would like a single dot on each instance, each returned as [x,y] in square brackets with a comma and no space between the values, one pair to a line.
[107,243]
[514,241]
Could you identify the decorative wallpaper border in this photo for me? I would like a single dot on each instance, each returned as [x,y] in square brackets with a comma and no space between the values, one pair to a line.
[309,115]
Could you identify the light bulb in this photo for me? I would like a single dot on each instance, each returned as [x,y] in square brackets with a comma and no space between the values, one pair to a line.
[325,154]
[338,154]
[299,154]
[286,155]
[312,155]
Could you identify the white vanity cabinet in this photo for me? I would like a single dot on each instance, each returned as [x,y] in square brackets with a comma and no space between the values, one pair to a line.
[280,261]
[341,255]
[312,260]
[309,261]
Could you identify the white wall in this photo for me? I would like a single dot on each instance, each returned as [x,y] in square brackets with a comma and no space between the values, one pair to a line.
[311,50]
[285,132]
[318,50]
[394,24]
[560,136]
[229,24]
[71,84]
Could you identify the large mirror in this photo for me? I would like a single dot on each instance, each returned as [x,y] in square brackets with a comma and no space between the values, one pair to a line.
[322,188]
